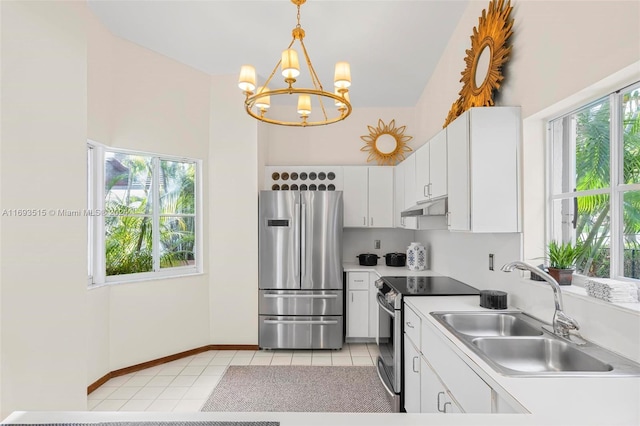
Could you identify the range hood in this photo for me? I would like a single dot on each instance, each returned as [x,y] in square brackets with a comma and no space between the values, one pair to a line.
[434,207]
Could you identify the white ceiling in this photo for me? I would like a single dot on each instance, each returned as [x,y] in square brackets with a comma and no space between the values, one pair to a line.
[393,46]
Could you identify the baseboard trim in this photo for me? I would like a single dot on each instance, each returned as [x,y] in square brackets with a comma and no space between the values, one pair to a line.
[159,361]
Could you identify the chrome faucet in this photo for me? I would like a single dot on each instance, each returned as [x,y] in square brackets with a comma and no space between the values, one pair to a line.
[562,323]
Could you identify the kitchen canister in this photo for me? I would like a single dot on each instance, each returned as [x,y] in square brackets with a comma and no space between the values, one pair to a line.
[416,257]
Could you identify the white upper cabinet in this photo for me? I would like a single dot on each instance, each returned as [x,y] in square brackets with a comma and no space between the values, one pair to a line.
[398,194]
[368,197]
[438,165]
[422,172]
[431,168]
[356,196]
[483,170]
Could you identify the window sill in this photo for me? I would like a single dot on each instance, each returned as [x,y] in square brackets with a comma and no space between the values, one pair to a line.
[581,293]
[145,279]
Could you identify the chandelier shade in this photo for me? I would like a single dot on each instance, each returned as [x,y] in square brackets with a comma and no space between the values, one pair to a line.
[315,105]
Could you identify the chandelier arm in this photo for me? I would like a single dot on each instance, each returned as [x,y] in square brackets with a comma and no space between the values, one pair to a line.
[314,78]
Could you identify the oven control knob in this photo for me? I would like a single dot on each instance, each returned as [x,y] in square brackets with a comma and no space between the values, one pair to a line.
[379,284]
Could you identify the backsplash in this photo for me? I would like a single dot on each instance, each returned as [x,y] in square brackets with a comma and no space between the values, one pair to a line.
[357,241]
[465,256]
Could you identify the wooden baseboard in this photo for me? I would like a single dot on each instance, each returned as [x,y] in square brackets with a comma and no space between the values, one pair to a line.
[148,364]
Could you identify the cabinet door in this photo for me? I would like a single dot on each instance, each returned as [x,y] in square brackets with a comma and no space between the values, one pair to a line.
[422,172]
[438,165]
[458,173]
[358,313]
[381,197]
[469,390]
[411,377]
[398,194]
[355,196]
[431,389]
[410,191]
[410,181]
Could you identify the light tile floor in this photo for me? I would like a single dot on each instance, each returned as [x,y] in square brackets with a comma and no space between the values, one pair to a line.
[185,384]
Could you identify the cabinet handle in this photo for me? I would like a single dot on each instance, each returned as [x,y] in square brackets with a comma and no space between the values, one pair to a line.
[364,220]
[445,406]
[351,297]
[409,325]
[425,190]
[429,191]
[448,218]
[440,393]
[372,221]
[415,370]
[358,281]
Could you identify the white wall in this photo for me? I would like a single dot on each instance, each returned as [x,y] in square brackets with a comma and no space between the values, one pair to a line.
[43,264]
[141,100]
[233,217]
[337,144]
[556,53]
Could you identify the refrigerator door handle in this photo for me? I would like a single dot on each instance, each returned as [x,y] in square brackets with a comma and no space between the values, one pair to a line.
[318,322]
[303,242]
[296,238]
[300,296]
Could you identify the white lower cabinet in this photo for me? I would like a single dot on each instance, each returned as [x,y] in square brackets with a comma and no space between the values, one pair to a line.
[363,322]
[434,396]
[412,397]
[436,379]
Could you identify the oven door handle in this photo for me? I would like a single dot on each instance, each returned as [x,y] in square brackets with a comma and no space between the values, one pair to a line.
[379,368]
[381,303]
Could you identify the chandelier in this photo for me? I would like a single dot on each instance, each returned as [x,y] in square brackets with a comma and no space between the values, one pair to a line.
[258,101]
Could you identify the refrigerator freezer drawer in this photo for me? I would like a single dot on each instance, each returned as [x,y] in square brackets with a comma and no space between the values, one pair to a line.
[300,332]
[300,302]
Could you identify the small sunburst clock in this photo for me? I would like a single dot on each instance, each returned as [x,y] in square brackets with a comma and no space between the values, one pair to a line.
[489,52]
[386,144]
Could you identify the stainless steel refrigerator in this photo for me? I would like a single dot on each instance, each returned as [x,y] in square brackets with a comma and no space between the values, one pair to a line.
[300,270]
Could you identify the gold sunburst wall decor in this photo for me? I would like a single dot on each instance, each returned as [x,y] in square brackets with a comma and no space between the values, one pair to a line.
[386,143]
[489,52]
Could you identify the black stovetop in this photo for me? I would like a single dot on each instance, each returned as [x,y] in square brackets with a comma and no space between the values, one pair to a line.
[430,286]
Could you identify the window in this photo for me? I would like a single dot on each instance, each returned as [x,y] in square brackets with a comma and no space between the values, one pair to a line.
[594,186]
[144,221]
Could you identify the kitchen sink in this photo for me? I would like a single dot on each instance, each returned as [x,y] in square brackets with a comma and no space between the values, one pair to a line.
[538,355]
[516,344]
[490,324]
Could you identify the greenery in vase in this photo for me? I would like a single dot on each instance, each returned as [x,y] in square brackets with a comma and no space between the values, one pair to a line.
[563,255]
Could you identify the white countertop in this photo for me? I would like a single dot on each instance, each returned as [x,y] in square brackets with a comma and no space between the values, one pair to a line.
[583,400]
[388,271]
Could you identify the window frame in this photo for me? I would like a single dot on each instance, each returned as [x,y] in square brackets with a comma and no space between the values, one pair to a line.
[96,223]
[616,189]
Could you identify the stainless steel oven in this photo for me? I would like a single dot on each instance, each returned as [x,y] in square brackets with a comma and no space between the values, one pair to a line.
[389,339]
[391,290]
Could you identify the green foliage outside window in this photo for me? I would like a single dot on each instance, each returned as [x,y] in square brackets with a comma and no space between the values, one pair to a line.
[129,203]
[593,172]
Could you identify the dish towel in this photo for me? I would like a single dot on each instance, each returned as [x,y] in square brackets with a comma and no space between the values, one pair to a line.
[612,290]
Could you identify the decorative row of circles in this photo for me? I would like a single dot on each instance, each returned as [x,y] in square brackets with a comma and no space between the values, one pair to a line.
[303,187]
[303,176]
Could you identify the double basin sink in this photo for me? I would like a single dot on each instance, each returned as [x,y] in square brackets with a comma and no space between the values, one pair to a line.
[515,344]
